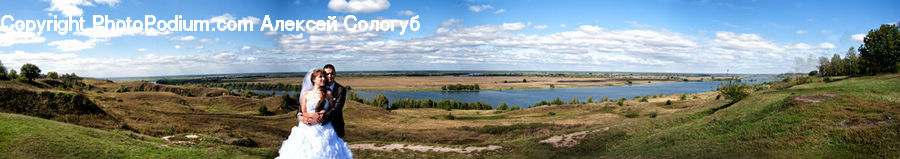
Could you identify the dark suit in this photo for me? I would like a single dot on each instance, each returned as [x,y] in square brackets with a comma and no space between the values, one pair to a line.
[335,114]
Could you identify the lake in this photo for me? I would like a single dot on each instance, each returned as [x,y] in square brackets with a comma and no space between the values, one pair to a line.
[528,97]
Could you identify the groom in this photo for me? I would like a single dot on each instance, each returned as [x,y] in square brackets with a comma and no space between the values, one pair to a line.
[334,114]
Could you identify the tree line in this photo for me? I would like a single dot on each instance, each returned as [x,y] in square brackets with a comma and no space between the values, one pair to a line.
[461,87]
[879,53]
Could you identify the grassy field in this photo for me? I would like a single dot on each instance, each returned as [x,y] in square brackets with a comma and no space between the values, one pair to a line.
[855,117]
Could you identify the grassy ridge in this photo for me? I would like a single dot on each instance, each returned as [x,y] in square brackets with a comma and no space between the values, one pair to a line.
[852,118]
[30,137]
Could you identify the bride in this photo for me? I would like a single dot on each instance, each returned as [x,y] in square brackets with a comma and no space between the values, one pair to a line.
[317,140]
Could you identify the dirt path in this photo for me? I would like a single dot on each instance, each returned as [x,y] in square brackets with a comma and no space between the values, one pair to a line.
[569,140]
[421,148]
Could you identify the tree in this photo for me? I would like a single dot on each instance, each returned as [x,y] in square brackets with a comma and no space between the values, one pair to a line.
[30,71]
[503,106]
[515,108]
[52,75]
[13,74]
[2,71]
[881,50]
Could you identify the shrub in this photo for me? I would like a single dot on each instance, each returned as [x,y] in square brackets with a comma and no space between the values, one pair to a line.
[668,102]
[733,89]
[551,113]
[515,108]
[503,106]
[264,111]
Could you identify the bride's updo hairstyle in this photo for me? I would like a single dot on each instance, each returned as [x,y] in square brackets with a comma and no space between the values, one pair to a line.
[316,74]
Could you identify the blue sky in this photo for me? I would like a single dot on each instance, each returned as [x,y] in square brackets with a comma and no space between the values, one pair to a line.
[752,36]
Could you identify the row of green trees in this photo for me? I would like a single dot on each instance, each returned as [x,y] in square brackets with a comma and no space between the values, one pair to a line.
[28,72]
[461,87]
[383,102]
[879,53]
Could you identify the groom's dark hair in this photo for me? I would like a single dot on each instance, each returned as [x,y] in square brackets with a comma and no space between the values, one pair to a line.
[329,66]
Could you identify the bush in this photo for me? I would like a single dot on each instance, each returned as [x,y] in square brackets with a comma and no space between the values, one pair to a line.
[515,108]
[52,75]
[668,102]
[503,106]
[551,113]
[733,89]
[264,111]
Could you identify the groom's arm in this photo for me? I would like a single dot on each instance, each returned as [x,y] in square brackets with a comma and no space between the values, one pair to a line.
[338,104]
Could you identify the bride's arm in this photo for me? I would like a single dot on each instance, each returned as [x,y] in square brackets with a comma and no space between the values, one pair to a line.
[328,97]
[302,107]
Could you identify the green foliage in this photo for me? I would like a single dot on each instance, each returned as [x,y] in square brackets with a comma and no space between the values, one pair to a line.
[52,75]
[264,111]
[503,106]
[683,96]
[621,101]
[3,71]
[850,65]
[122,89]
[515,108]
[590,100]
[644,99]
[542,102]
[381,101]
[12,74]
[574,101]
[461,87]
[668,102]
[733,89]
[552,86]
[288,103]
[30,71]
[557,101]
[551,113]
[881,50]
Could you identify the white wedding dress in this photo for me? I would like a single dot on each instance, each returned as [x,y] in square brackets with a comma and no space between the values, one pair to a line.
[316,141]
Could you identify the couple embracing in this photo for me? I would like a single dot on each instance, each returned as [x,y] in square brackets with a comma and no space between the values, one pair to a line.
[321,128]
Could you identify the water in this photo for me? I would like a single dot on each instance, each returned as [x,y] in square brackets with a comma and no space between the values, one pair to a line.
[526,98]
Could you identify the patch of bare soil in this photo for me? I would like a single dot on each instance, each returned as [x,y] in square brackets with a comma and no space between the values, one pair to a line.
[813,98]
[569,140]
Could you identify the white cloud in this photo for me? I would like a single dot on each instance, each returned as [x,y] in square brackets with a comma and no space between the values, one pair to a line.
[477,8]
[177,46]
[141,49]
[72,45]
[540,27]
[499,11]
[826,31]
[246,48]
[450,22]
[562,25]
[103,33]
[221,18]
[108,2]
[9,37]
[858,37]
[513,26]
[827,46]
[183,38]
[251,19]
[358,6]
[69,7]
[801,32]
[406,13]
[636,24]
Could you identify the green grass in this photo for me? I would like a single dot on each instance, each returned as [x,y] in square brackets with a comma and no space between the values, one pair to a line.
[30,137]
